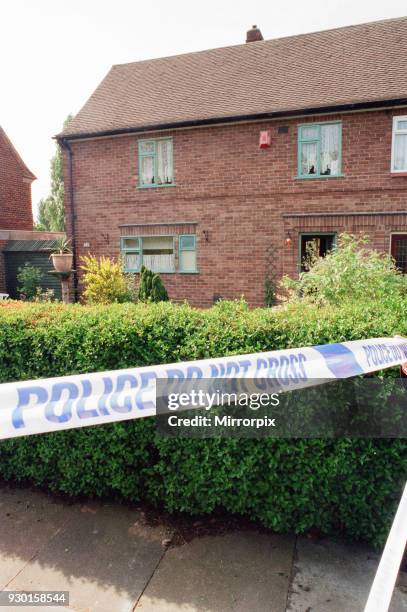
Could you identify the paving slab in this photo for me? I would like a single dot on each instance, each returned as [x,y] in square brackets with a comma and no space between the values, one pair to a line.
[236,572]
[104,556]
[28,520]
[335,577]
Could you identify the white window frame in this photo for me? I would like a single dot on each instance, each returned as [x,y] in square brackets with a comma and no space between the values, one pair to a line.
[393,142]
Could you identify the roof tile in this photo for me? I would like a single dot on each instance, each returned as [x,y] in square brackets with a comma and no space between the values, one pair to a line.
[355,64]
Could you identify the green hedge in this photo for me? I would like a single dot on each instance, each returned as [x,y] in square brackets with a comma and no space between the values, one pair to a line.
[348,486]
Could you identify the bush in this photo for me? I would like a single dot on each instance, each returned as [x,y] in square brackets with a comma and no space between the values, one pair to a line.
[269,293]
[151,288]
[105,281]
[350,272]
[337,485]
[29,278]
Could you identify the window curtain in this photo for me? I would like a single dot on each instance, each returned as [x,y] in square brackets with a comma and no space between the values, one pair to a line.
[400,152]
[158,253]
[147,170]
[164,161]
[159,262]
[132,261]
[309,158]
[329,149]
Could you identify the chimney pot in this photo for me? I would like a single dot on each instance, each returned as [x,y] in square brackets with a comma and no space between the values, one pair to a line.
[254,35]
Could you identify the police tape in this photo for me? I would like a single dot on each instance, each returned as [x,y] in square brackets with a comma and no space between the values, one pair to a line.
[53,404]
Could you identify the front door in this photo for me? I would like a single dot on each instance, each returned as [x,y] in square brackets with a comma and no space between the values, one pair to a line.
[399,251]
[315,245]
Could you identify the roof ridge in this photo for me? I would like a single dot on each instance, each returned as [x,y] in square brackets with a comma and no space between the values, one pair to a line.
[262,42]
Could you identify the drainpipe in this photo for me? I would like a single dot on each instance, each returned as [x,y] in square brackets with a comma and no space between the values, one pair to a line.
[67,146]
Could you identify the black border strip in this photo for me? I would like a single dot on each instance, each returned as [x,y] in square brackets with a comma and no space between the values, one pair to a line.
[236,118]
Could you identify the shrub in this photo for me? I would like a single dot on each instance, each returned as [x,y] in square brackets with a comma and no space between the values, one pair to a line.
[337,485]
[44,295]
[29,278]
[269,292]
[151,288]
[350,272]
[105,281]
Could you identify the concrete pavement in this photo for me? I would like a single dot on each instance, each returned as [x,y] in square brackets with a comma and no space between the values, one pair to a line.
[111,558]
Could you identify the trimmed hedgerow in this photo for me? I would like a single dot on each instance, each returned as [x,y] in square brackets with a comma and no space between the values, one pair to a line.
[351,486]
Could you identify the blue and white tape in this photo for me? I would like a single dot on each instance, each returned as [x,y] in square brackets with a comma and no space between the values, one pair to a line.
[67,402]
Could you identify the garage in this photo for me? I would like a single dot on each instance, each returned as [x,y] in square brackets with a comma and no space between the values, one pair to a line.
[36,253]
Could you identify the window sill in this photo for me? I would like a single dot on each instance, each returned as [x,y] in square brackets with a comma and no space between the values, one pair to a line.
[318,176]
[155,271]
[156,186]
[393,174]
[166,272]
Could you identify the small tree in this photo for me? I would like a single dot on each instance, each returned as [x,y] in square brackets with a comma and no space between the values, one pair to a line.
[151,287]
[105,281]
[349,272]
[51,209]
[29,278]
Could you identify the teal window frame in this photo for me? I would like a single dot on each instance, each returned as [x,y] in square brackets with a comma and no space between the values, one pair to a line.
[124,250]
[301,140]
[182,249]
[153,141]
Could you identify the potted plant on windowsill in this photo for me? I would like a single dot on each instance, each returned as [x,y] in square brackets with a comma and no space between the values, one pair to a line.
[62,256]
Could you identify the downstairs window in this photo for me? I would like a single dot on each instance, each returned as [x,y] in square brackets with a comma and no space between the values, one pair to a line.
[158,253]
[154,252]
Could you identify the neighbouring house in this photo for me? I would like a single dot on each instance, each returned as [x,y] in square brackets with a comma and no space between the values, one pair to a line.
[217,168]
[19,244]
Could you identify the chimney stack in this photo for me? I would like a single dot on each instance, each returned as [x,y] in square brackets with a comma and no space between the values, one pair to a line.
[254,35]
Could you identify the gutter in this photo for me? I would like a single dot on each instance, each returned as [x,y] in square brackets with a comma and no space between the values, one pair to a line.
[316,110]
[65,144]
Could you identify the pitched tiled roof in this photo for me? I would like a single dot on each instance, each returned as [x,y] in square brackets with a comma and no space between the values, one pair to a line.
[7,143]
[352,65]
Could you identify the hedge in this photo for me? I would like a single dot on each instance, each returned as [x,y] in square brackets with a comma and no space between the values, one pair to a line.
[336,485]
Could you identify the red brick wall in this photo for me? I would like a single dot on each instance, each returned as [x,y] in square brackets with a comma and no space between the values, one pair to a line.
[15,190]
[244,197]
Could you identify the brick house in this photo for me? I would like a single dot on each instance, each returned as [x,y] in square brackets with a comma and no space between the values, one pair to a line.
[18,242]
[217,168]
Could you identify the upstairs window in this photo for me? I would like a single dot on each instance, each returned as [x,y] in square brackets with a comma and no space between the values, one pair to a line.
[399,146]
[155,162]
[319,150]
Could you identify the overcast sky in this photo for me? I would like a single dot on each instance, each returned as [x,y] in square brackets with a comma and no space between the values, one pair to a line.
[55,52]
